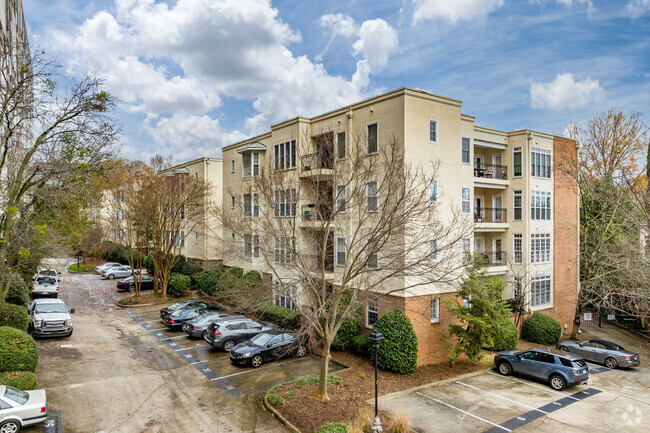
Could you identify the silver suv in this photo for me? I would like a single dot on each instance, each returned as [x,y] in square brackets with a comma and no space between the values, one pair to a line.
[232,331]
[49,317]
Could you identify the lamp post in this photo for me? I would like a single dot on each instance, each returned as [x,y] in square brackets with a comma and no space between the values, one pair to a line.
[376,336]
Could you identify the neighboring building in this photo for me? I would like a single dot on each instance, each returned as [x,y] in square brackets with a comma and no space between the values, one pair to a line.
[525,213]
[13,32]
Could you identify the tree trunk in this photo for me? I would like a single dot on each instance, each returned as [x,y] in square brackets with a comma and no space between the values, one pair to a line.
[576,324]
[324,368]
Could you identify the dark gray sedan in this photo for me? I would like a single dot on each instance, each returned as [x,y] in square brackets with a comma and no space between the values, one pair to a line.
[603,352]
[197,326]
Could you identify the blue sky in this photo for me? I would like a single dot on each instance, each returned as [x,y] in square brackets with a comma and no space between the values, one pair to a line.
[195,75]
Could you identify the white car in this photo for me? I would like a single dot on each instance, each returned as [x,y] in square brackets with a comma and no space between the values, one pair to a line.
[103,266]
[47,273]
[49,317]
[45,286]
[117,272]
[20,409]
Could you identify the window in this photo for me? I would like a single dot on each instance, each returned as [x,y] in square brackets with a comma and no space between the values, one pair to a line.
[119,214]
[517,247]
[517,163]
[540,291]
[252,246]
[433,131]
[285,202]
[341,251]
[371,137]
[517,205]
[232,238]
[371,196]
[466,200]
[371,313]
[433,250]
[284,248]
[433,190]
[540,162]
[251,205]
[340,145]
[467,301]
[285,155]
[196,177]
[232,201]
[540,248]
[464,150]
[250,164]
[180,239]
[196,238]
[284,294]
[373,257]
[540,205]
[341,198]
[435,310]
[465,249]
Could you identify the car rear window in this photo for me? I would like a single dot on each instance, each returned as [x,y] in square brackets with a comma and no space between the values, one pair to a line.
[16,395]
[579,363]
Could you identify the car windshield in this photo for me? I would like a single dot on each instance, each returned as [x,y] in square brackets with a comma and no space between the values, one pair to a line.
[51,308]
[16,395]
[261,339]
[177,306]
[178,313]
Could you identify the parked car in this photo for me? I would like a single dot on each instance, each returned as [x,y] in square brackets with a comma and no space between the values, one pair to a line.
[228,333]
[269,346]
[198,325]
[128,284]
[49,318]
[121,271]
[179,317]
[602,351]
[560,369]
[20,409]
[100,268]
[45,286]
[188,303]
[43,272]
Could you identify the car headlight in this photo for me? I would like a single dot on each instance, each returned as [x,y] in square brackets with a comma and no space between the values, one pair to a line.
[68,322]
[246,355]
[37,323]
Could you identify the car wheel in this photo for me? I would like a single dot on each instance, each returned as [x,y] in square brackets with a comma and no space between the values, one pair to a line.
[504,368]
[11,426]
[111,276]
[611,363]
[256,361]
[228,345]
[563,348]
[302,351]
[558,383]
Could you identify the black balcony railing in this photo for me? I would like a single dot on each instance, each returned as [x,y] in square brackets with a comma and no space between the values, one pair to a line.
[318,263]
[490,215]
[314,161]
[320,212]
[490,171]
[493,258]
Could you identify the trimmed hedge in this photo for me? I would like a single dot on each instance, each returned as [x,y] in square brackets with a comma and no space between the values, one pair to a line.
[25,380]
[179,285]
[542,329]
[208,280]
[235,270]
[505,337]
[285,317]
[334,427]
[349,329]
[14,316]
[17,350]
[361,344]
[18,293]
[398,351]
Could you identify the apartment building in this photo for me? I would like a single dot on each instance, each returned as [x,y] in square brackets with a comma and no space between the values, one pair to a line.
[523,211]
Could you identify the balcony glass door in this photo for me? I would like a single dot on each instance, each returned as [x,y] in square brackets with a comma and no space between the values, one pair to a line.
[497,162]
[497,205]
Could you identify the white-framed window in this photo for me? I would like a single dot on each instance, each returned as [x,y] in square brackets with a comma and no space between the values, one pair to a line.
[540,162]
[467,301]
[517,205]
[465,200]
[465,249]
[180,239]
[252,246]
[341,198]
[540,248]
[284,250]
[516,288]
[433,250]
[250,164]
[284,294]
[232,165]
[517,248]
[373,255]
[371,196]
[517,162]
[341,251]
[119,214]
[372,137]
[433,131]
[196,237]
[285,155]
[435,310]
[372,314]
[232,238]
[251,205]
[340,145]
[433,190]
[540,291]
[540,205]
[285,202]
[232,202]
[465,150]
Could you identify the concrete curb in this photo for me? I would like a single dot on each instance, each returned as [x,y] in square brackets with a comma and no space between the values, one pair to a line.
[279,416]
[141,305]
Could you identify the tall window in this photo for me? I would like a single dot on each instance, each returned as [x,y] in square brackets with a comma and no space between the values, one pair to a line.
[465,249]
[196,238]
[371,313]
[341,198]
[433,190]
[465,200]
[250,164]
[464,151]
[232,238]
[283,251]
[517,163]
[435,310]
[540,291]
[540,205]
[340,145]
[373,256]
[341,251]
[285,155]
[232,201]
[284,294]
[433,131]
[180,239]
[517,205]
[251,205]
[540,248]
[232,166]
[540,162]
[517,247]
[252,246]
[371,137]
[371,196]
[285,202]
[433,250]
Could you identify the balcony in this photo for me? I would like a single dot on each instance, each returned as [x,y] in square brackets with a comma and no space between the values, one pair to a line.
[313,216]
[493,258]
[318,263]
[490,175]
[317,164]
[490,219]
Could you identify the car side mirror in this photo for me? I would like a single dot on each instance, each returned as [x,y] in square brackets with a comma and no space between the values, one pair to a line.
[71,310]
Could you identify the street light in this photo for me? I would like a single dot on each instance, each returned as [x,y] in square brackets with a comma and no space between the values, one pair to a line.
[376,336]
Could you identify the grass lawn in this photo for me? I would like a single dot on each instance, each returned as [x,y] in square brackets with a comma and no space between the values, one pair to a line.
[75,268]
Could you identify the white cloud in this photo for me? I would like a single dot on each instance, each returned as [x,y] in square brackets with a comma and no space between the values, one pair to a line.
[377,41]
[453,11]
[565,93]
[339,24]
[638,8]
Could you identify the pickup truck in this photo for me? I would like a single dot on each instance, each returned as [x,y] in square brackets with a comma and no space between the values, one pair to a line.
[49,317]
[45,285]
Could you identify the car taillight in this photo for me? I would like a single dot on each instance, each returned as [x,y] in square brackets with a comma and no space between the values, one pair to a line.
[216,333]
[171,321]
[195,327]
[575,371]
[627,357]
[119,283]
[43,409]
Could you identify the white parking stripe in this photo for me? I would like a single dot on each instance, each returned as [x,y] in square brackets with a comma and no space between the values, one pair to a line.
[463,411]
[257,369]
[501,397]
[534,386]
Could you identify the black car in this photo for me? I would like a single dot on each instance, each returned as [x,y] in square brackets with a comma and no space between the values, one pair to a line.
[269,346]
[127,284]
[176,319]
[188,303]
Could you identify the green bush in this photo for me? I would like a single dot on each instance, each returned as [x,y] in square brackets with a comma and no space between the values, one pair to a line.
[208,280]
[25,380]
[253,279]
[275,400]
[235,270]
[114,253]
[148,264]
[229,288]
[18,292]
[361,344]
[180,267]
[285,317]
[542,329]
[505,336]
[398,351]
[14,316]
[179,285]
[17,350]
[312,379]
[349,329]
[334,427]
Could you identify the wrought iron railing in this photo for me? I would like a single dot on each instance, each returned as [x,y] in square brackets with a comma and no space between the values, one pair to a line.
[490,215]
[490,171]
